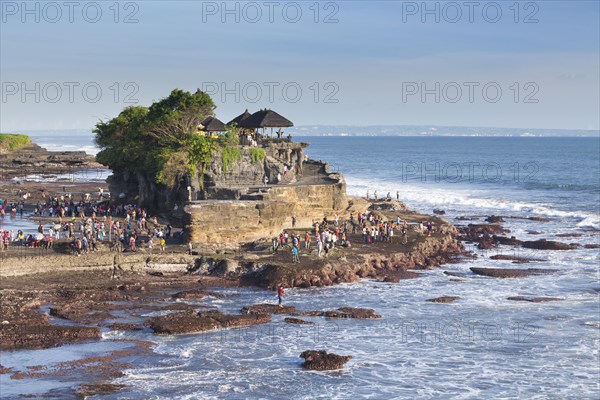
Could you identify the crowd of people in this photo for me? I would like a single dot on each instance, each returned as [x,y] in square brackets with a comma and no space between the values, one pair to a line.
[329,234]
[85,223]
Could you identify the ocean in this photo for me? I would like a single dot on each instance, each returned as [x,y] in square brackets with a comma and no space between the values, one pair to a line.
[481,346]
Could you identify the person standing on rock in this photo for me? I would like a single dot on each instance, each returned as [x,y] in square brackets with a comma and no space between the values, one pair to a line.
[280,294]
[429,228]
[295,257]
[189,248]
[293,221]
[307,240]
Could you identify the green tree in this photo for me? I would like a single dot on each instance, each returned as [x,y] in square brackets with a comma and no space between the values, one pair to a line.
[161,140]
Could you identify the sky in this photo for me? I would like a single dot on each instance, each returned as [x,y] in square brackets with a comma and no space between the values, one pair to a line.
[525,64]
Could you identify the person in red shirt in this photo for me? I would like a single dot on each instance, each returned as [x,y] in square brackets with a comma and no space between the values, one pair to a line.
[280,294]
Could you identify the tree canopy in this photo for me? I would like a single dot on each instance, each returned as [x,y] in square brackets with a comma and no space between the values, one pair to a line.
[160,140]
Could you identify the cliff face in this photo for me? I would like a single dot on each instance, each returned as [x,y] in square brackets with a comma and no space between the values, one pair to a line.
[218,224]
[215,183]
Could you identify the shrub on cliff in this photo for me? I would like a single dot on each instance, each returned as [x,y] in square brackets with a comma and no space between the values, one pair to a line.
[258,155]
[12,142]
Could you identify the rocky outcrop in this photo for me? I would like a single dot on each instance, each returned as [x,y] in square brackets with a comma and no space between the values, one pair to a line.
[395,277]
[14,336]
[298,321]
[351,312]
[323,361]
[34,159]
[544,244]
[191,322]
[443,299]
[507,241]
[189,295]
[482,234]
[515,259]
[511,273]
[268,309]
[533,299]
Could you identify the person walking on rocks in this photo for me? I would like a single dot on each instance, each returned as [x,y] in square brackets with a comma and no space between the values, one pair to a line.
[280,294]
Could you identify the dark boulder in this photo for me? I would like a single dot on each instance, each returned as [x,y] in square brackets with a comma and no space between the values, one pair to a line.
[323,361]
[494,219]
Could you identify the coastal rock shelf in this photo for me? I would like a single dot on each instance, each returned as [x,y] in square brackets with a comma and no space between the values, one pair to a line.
[15,336]
[34,159]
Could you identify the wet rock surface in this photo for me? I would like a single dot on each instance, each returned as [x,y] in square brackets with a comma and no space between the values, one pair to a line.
[190,295]
[342,312]
[395,277]
[515,259]
[544,244]
[118,326]
[290,320]
[443,299]
[268,309]
[191,322]
[43,336]
[4,370]
[507,241]
[533,299]
[351,312]
[511,273]
[320,360]
[457,274]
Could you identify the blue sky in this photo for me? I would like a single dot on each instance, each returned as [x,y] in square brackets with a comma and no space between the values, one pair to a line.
[539,62]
